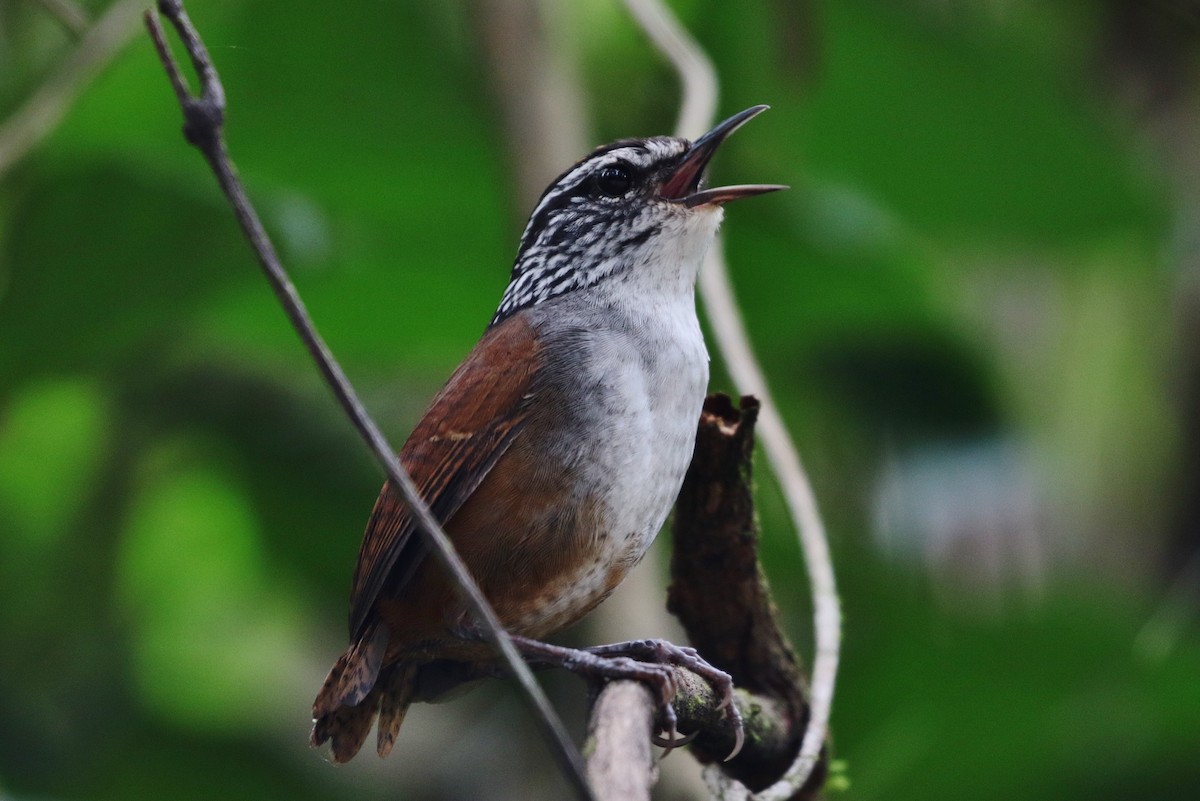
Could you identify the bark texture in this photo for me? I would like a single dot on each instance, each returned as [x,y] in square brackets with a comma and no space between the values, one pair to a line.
[721,596]
[620,761]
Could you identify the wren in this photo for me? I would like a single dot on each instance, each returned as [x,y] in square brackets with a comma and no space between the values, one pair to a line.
[555,451]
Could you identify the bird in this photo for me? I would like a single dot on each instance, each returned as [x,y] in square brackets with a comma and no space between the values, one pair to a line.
[555,451]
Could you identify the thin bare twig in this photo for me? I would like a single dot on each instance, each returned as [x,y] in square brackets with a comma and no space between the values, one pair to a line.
[203,120]
[43,111]
[699,106]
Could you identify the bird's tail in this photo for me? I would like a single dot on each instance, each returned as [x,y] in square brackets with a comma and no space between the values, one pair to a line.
[356,689]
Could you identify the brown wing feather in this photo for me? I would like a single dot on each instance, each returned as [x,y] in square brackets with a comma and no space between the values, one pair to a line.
[467,427]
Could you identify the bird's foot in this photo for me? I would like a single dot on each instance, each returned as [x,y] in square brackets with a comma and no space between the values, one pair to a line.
[667,653]
[648,661]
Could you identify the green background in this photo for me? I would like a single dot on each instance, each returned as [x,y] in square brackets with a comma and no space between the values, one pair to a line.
[977,306]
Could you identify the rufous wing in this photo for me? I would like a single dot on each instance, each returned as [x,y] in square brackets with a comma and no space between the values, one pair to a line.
[466,429]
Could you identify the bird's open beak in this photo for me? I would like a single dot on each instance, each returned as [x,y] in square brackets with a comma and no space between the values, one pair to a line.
[683,185]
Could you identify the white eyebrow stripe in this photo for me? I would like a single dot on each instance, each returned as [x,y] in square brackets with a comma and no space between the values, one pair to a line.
[642,155]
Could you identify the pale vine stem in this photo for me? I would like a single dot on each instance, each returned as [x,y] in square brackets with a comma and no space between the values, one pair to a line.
[698,109]
[203,127]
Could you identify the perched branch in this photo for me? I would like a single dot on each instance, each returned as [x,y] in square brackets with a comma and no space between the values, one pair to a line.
[203,122]
[45,108]
[770,733]
[620,762]
[736,628]
[720,595]
[700,92]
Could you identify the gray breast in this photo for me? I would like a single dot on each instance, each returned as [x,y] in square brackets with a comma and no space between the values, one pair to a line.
[630,384]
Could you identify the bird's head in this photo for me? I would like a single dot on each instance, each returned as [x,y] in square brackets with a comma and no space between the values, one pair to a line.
[633,211]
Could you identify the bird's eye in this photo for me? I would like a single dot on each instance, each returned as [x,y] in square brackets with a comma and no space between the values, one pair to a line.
[613,181]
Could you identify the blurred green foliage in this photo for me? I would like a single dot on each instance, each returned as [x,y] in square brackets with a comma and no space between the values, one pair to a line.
[972,277]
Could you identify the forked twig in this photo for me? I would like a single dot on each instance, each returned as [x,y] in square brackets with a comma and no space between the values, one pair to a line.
[203,119]
[699,107]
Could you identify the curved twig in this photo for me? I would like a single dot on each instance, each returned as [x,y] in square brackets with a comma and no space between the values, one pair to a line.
[203,121]
[698,109]
[785,462]
[698,104]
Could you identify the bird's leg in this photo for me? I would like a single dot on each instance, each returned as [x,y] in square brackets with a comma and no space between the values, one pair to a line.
[615,666]
[667,653]
[649,661]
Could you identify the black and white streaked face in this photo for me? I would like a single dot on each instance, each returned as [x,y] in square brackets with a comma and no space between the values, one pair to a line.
[630,215]
[593,221]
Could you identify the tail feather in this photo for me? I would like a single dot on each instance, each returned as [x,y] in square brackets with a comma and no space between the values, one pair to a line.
[363,660]
[349,698]
[345,728]
[396,689]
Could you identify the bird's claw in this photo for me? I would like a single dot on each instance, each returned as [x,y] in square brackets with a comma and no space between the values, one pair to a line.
[661,653]
[668,745]
[648,661]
